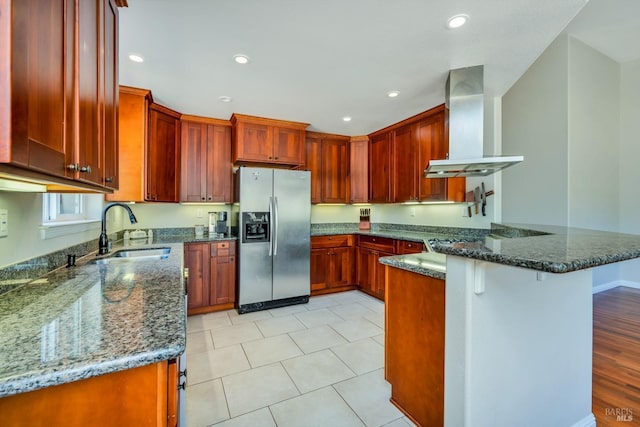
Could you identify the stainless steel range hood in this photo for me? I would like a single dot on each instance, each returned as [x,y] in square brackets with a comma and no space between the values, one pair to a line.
[465,100]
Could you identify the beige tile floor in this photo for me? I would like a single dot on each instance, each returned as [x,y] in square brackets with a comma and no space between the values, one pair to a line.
[318,364]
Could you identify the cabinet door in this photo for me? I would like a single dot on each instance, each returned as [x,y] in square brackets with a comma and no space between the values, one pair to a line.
[288,146]
[133,116]
[359,170]
[378,282]
[88,143]
[163,156]
[109,104]
[380,168]
[341,267]
[313,163]
[335,170]
[431,145]
[222,288]
[366,260]
[404,165]
[196,259]
[319,271]
[219,167]
[254,142]
[194,162]
[41,71]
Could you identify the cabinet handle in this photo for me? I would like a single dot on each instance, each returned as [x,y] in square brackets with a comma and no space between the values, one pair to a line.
[183,373]
[108,179]
[74,167]
[86,169]
[210,197]
[203,198]
[182,386]
[270,157]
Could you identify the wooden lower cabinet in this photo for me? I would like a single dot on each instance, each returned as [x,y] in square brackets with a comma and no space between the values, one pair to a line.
[370,273]
[414,344]
[332,264]
[143,396]
[212,276]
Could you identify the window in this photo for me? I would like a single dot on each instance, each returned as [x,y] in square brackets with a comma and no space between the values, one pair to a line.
[64,214]
[66,207]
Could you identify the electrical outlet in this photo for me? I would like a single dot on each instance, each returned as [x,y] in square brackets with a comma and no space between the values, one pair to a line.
[4,223]
[412,211]
[199,213]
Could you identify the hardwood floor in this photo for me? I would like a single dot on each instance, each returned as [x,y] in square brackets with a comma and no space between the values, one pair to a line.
[616,357]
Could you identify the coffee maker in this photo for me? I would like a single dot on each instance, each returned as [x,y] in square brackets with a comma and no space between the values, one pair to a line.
[218,222]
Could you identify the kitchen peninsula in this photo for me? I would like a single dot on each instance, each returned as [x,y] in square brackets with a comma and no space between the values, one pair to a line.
[505,340]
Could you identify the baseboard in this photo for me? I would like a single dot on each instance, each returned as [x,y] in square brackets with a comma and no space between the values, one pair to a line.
[588,421]
[614,284]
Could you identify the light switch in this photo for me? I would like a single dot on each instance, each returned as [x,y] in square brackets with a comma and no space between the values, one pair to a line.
[4,223]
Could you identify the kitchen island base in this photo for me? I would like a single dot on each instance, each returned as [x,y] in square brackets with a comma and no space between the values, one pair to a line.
[493,346]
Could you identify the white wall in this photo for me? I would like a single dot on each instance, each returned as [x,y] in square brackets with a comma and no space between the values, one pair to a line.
[25,218]
[629,155]
[535,125]
[172,215]
[594,133]
[577,111]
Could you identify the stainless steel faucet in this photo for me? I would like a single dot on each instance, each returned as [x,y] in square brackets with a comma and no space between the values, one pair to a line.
[103,241]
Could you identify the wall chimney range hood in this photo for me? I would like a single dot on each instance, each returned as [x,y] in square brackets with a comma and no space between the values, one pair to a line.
[464,98]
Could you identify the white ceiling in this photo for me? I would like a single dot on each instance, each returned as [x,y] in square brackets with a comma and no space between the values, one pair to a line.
[317,61]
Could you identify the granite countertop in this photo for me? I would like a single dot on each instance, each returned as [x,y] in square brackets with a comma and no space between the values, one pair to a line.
[412,234]
[92,319]
[550,249]
[430,264]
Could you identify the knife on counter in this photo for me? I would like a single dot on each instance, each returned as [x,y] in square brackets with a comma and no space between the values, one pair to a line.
[476,198]
[483,197]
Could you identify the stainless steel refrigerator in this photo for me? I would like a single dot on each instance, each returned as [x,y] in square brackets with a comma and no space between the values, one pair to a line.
[274,226]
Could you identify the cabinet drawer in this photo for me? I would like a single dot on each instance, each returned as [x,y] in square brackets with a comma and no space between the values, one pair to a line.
[406,247]
[378,243]
[225,248]
[318,242]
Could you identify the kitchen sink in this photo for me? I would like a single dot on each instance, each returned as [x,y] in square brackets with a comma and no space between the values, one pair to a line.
[138,254]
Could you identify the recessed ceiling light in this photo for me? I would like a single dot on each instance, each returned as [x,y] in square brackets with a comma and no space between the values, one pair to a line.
[136,58]
[241,59]
[457,21]
[346,119]
[393,94]
[224,98]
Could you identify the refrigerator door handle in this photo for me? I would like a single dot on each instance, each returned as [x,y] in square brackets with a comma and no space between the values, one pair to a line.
[271,227]
[275,227]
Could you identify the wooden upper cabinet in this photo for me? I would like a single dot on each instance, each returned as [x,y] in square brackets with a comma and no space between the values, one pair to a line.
[405,163]
[288,145]
[58,73]
[313,163]
[359,169]
[260,140]
[109,104]
[133,118]
[380,167]
[335,169]
[206,160]
[86,153]
[431,144]
[328,160]
[399,154]
[414,145]
[163,155]
[37,84]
